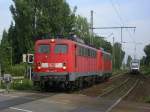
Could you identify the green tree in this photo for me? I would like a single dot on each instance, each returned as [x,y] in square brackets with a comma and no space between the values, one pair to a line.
[143,61]
[81,27]
[129,60]
[53,16]
[22,32]
[147,52]
[118,55]
[100,42]
[5,57]
[33,17]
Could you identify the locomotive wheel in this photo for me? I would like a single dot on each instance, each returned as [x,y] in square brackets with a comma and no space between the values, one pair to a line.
[97,80]
[44,86]
[36,85]
[41,86]
[76,84]
[107,79]
[70,86]
[80,84]
[92,81]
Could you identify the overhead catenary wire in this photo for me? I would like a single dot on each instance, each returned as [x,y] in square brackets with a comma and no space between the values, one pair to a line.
[120,17]
[117,11]
[117,3]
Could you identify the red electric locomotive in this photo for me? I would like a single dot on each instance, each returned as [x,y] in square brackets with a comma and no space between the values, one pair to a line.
[69,64]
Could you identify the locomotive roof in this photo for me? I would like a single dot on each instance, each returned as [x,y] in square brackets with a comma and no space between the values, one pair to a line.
[106,52]
[69,41]
[63,41]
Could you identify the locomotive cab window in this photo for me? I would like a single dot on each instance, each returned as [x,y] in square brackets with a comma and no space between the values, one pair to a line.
[60,48]
[44,49]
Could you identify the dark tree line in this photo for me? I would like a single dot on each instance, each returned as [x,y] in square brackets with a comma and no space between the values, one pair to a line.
[146,59]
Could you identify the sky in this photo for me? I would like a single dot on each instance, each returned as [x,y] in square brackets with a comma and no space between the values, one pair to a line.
[107,13]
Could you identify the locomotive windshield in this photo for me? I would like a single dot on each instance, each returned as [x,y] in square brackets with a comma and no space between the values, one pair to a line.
[59,48]
[44,49]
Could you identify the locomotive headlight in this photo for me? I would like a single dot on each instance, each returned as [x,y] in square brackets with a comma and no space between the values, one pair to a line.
[39,67]
[52,40]
[64,67]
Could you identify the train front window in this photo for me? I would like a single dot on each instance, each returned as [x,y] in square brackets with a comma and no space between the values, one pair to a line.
[60,48]
[44,49]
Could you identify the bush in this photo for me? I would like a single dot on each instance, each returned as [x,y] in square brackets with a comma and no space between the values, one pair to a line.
[24,84]
[16,70]
[147,99]
[146,70]
[1,85]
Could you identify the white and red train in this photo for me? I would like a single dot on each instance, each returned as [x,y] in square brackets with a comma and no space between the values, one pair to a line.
[69,63]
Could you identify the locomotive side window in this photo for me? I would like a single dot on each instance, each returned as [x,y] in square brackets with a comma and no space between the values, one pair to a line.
[44,49]
[86,52]
[60,48]
[83,51]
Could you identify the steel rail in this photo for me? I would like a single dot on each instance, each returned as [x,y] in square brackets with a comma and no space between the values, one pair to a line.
[107,92]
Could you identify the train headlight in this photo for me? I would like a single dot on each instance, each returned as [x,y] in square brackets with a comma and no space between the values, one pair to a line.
[39,67]
[52,40]
[64,67]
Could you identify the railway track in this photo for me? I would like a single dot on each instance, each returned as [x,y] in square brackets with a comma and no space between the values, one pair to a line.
[119,92]
[102,87]
[116,76]
[121,89]
[113,89]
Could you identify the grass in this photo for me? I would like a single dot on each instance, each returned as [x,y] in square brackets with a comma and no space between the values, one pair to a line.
[146,70]
[116,72]
[24,84]
[0,85]
[147,99]
[16,70]
[21,84]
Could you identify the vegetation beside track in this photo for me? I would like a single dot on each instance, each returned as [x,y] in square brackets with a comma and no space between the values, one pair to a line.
[17,70]
[24,84]
[19,84]
[146,70]
[147,99]
[118,72]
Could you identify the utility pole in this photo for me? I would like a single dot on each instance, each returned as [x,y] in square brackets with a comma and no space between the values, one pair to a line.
[91,27]
[135,51]
[121,48]
[121,30]
[10,55]
[113,52]
[35,16]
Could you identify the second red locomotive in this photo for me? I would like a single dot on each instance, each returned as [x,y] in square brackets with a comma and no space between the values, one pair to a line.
[69,64]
